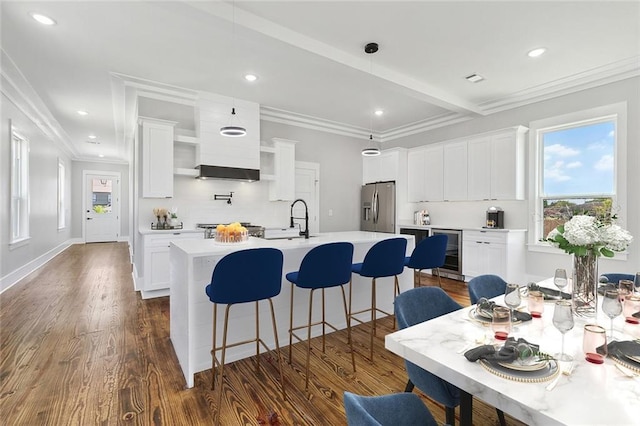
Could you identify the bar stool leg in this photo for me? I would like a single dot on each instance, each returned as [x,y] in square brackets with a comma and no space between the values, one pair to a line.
[257,337]
[439,280]
[396,292]
[275,336]
[221,375]
[213,351]
[349,316]
[291,324]
[306,381]
[373,318]
[349,341]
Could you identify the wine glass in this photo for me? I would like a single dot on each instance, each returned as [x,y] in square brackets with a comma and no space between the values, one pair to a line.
[611,306]
[563,321]
[560,280]
[512,297]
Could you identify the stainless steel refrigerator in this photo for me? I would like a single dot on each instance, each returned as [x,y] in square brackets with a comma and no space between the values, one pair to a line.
[378,207]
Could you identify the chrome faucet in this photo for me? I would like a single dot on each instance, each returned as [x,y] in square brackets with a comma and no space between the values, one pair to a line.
[306,218]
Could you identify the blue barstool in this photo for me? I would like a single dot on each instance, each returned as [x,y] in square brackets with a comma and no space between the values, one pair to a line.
[384,259]
[430,253]
[325,266]
[487,286]
[240,277]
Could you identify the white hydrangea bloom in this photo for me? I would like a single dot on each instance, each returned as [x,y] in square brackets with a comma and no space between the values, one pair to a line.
[615,238]
[582,231]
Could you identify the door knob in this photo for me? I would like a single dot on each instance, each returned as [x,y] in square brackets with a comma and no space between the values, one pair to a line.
[89,218]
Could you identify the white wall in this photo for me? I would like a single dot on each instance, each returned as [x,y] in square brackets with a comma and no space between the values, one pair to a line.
[517,212]
[46,239]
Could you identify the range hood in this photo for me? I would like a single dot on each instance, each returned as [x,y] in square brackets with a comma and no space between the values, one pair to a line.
[228,173]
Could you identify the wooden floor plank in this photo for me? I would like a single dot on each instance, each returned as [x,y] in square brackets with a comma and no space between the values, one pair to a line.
[79,346]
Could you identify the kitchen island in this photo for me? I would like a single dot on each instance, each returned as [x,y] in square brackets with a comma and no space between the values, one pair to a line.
[192,263]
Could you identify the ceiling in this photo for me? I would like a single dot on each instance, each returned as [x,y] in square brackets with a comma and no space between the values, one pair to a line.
[310,60]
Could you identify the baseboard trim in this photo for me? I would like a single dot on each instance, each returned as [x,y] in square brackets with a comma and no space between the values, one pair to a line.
[15,276]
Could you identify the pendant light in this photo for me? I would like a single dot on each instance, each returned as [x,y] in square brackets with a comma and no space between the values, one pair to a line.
[371,150]
[232,130]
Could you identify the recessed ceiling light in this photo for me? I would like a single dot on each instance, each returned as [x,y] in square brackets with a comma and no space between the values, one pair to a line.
[92,136]
[536,52]
[43,19]
[378,112]
[251,77]
[101,155]
[474,78]
[81,112]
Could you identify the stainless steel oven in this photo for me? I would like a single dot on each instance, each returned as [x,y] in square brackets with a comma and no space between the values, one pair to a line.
[453,260]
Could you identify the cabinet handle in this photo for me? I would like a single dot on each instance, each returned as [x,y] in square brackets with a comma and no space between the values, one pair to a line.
[478,242]
[487,242]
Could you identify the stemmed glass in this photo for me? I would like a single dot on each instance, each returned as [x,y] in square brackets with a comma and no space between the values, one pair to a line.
[611,306]
[512,297]
[563,321]
[560,280]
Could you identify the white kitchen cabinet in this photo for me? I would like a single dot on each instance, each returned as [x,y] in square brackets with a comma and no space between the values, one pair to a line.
[496,166]
[455,171]
[156,261]
[283,185]
[381,168]
[157,158]
[497,252]
[425,173]
[416,180]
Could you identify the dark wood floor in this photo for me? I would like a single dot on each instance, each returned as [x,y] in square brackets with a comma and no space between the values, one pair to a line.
[80,347]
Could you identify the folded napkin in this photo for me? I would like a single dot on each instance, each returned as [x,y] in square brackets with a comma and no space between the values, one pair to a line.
[549,293]
[485,307]
[627,347]
[512,350]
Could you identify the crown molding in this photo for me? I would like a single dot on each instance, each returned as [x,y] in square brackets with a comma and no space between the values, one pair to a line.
[595,77]
[101,160]
[17,89]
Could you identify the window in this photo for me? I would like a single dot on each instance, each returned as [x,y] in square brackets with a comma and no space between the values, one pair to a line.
[19,188]
[61,195]
[579,167]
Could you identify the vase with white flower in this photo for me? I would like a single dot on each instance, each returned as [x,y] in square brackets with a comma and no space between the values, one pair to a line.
[587,238]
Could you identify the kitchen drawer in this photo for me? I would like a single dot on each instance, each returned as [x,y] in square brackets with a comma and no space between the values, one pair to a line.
[489,237]
[164,240]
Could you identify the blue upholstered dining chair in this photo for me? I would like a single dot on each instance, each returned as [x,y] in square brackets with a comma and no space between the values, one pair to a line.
[384,259]
[244,276]
[413,307]
[398,409]
[485,286]
[614,278]
[324,266]
[430,253]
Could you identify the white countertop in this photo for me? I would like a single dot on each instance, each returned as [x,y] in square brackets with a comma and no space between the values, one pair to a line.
[207,247]
[149,231]
[460,228]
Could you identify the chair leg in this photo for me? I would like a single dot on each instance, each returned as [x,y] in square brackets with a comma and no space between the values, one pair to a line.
[306,380]
[213,351]
[450,415]
[221,375]
[257,337]
[439,280]
[349,317]
[349,341]
[373,318]
[324,322]
[409,387]
[396,292]
[275,336]
[503,421]
[291,324]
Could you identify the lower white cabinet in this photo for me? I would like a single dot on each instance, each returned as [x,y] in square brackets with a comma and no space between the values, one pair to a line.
[497,252]
[156,262]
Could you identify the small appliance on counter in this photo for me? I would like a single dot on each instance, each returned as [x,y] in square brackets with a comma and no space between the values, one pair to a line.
[495,218]
[421,217]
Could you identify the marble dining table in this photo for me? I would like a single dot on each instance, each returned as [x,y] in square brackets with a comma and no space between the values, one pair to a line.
[593,394]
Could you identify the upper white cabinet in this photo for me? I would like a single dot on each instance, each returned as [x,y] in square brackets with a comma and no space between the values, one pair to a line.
[381,168]
[214,112]
[455,171]
[425,169]
[157,158]
[496,165]
[282,187]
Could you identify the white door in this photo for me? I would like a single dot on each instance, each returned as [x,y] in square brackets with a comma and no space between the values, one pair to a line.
[101,207]
[308,188]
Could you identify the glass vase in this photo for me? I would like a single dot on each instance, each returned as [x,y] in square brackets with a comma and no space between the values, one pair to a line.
[584,292]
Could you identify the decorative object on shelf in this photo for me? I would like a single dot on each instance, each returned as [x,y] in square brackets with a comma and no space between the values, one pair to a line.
[232,130]
[161,214]
[587,238]
[165,226]
[371,150]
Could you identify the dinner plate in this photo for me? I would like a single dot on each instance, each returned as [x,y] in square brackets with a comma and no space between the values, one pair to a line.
[633,358]
[626,361]
[547,372]
[532,366]
[476,315]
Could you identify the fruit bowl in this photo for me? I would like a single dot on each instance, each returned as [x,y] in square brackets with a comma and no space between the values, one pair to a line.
[231,234]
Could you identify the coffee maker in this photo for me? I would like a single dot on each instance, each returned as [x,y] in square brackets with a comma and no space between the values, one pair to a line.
[495,218]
